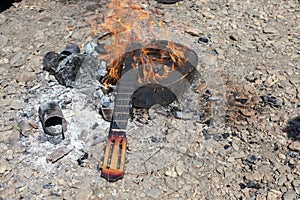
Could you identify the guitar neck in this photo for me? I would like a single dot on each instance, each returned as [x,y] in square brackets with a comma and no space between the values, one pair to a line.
[121,114]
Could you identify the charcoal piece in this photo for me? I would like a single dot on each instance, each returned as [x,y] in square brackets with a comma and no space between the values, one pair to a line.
[50,61]
[52,119]
[151,94]
[80,160]
[68,68]
[270,100]
[71,49]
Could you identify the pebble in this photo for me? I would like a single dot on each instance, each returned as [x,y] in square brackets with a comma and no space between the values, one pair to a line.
[84,194]
[269,30]
[153,193]
[238,154]
[251,159]
[18,59]
[28,173]
[3,168]
[203,39]
[290,195]
[179,168]
[282,179]
[273,194]
[194,31]
[168,17]
[210,59]
[296,183]
[3,18]
[235,146]
[25,77]
[171,173]
[10,154]
[17,104]
[283,169]
[5,102]
[3,41]
[295,146]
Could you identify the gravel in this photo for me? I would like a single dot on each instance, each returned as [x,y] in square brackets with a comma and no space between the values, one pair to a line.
[237,136]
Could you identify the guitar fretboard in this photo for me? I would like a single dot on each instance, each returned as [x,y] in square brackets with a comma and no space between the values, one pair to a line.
[126,87]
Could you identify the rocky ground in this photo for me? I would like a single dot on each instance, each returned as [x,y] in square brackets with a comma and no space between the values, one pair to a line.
[249,88]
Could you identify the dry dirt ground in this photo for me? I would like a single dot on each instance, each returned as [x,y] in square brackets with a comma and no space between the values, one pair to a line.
[238,139]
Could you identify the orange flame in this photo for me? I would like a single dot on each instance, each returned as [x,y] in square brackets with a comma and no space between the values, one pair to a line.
[125,22]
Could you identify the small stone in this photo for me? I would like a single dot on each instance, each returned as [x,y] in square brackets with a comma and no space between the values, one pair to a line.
[257,176]
[235,146]
[5,102]
[210,59]
[282,179]
[19,184]
[167,17]
[290,195]
[171,173]
[238,154]
[28,173]
[153,193]
[283,169]
[231,159]
[25,77]
[251,159]
[84,194]
[203,39]
[230,174]
[193,31]
[3,18]
[281,156]
[3,169]
[234,37]
[295,146]
[172,137]
[17,104]
[296,183]
[269,30]
[3,41]
[273,194]
[220,169]
[9,154]
[171,183]
[218,137]
[18,59]
[58,154]
[179,169]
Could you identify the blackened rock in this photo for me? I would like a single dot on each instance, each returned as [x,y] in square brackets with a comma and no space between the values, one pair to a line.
[251,159]
[71,49]
[50,61]
[217,137]
[68,68]
[168,1]
[252,184]
[203,40]
[270,100]
[88,72]
[225,135]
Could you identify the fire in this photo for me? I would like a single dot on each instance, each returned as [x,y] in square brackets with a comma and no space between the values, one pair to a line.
[126,22]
